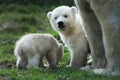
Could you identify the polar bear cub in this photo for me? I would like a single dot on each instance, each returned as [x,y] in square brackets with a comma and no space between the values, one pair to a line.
[32,48]
[66,21]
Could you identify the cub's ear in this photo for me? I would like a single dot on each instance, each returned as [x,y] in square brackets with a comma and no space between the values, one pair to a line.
[49,15]
[74,9]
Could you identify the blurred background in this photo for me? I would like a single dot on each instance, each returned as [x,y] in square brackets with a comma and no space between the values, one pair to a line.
[18,14]
[39,2]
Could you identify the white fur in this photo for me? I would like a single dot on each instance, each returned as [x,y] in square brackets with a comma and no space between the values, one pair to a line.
[31,49]
[33,61]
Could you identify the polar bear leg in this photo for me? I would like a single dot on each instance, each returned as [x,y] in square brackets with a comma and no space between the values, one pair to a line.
[94,33]
[21,62]
[106,72]
[111,30]
[78,59]
[52,58]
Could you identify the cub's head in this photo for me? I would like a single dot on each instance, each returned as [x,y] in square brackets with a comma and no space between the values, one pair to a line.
[62,17]
[60,52]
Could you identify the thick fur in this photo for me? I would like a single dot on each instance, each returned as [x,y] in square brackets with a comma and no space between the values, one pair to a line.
[31,48]
[101,19]
[71,33]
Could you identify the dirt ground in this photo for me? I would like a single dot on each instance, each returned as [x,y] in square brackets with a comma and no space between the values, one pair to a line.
[7,65]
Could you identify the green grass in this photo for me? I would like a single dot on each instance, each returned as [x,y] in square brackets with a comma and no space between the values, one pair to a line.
[17,20]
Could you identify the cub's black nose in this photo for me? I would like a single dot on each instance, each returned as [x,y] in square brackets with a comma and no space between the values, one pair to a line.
[60,23]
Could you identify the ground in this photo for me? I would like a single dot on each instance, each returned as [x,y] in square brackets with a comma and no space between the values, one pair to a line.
[7,65]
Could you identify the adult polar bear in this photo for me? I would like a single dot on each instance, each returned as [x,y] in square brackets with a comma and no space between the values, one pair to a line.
[65,21]
[102,17]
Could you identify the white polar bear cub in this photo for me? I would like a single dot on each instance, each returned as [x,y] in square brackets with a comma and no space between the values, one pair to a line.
[67,22]
[32,48]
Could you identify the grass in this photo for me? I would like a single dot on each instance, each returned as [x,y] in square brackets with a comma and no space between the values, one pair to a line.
[17,20]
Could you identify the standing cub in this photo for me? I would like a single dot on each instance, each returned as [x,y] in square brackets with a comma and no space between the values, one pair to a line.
[32,48]
[66,21]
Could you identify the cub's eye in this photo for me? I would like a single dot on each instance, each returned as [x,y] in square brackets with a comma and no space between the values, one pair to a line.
[55,17]
[65,16]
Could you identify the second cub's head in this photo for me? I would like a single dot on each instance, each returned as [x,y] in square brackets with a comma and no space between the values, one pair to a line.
[60,52]
[62,17]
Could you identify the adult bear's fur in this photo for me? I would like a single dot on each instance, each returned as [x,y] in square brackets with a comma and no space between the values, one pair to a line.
[102,17]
